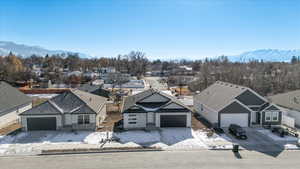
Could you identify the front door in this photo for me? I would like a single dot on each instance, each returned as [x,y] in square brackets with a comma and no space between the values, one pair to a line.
[258,117]
[150,118]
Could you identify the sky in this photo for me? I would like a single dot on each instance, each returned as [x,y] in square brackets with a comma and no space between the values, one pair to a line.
[166,29]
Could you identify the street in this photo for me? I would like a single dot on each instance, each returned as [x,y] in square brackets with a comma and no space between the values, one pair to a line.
[156,160]
[155,84]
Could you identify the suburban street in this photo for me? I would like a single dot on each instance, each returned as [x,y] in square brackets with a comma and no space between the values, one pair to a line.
[164,160]
[154,83]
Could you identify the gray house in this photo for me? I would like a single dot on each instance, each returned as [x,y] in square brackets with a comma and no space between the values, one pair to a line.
[290,104]
[72,110]
[12,103]
[223,104]
[152,108]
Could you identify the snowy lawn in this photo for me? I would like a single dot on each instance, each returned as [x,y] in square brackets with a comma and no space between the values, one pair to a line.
[174,139]
[275,137]
[138,136]
[30,142]
[166,138]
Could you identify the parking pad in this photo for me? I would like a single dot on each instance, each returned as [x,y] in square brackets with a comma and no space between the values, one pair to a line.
[256,141]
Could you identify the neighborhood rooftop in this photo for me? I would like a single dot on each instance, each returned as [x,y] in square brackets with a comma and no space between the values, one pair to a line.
[69,102]
[289,100]
[220,94]
[11,97]
[132,100]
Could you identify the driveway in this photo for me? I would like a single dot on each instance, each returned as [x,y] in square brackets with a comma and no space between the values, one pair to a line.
[257,142]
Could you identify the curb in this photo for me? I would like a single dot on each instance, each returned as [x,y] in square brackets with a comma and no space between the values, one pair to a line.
[95,151]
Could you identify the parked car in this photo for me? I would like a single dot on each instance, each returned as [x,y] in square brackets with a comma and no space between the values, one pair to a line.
[237,131]
[280,131]
[218,130]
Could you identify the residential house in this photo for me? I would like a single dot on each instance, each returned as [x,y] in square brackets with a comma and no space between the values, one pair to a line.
[12,103]
[95,89]
[152,108]
[290,101]
[72,110]
[224,103]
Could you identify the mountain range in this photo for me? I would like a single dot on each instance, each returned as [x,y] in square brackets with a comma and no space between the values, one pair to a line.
[271,55]
[261,54]
[26,51]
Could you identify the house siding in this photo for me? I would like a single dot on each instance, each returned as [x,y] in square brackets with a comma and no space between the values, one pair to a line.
[248,98]
[90,126]
[13,115]
[100,117]
[141,120]
[234,108]
[264,122]
[207,113]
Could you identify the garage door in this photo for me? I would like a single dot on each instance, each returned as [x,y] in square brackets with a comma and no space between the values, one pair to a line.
[240,119]
[173,120]
[45,123]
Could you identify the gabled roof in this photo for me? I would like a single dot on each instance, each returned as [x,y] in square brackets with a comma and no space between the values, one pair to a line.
[289,100]
[11,97]
[131,101]
[220,94]
[94,89]
[45,108]
[73,101]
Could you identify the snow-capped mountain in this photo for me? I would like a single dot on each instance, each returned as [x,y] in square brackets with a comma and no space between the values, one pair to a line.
[273,55]
[26,50]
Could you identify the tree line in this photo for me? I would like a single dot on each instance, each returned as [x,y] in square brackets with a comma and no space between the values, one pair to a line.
[264,77]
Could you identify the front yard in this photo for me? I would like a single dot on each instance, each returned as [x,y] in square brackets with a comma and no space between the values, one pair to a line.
[167,139]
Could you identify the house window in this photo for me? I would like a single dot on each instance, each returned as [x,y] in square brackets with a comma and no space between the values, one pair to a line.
[271,116]
[268,116]
[83,119]
[132,122]
[132,115]
[132,119]
[86,119]
[275,116]
[80,119]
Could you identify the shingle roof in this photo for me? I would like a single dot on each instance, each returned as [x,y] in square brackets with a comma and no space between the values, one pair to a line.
[132,100]
[11,97]
[93,101]
[94,89]
[73,101]
[45,108]
[220,94]
[288,100]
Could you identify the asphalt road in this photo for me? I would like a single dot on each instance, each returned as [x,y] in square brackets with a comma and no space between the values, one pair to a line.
[154,83]
[157,160]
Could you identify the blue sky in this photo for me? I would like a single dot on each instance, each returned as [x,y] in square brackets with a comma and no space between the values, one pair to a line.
[169,29]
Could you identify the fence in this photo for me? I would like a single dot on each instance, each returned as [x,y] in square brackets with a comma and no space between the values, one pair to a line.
[289,121]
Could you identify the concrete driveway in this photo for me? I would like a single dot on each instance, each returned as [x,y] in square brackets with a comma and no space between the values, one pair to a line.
[257,142]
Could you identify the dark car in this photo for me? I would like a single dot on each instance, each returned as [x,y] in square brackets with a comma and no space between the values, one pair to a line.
[280,131]
[237,131]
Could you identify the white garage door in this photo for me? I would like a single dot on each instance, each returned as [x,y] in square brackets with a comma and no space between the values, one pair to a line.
[240,119]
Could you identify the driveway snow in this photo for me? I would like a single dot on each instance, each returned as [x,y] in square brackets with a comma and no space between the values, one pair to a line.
[166,138]
[174,139]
